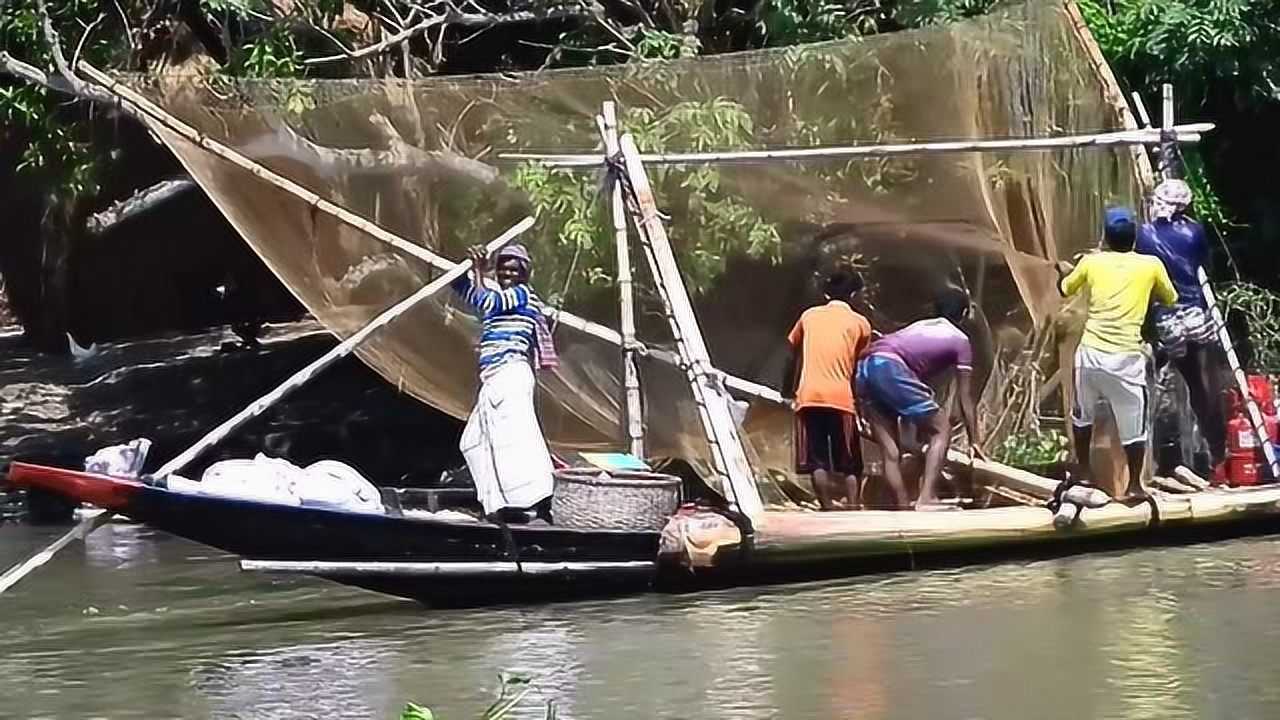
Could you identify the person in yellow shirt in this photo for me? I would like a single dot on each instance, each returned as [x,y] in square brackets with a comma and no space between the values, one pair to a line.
[1111,362]
[825,344]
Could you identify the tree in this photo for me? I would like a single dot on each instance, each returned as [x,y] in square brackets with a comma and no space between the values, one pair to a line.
[1220,54]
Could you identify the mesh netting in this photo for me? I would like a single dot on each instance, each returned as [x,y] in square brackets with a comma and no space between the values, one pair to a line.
[422,159]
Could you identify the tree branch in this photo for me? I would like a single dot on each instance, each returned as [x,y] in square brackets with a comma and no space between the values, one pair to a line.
[141,201]
[69,82]
[453,16]
[35,75]
[397,157]
[75,59]
[391,41]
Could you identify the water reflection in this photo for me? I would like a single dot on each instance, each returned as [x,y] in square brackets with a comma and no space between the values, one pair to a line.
[144,625]
[349,678]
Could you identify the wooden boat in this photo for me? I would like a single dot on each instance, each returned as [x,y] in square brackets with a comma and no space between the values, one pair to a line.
[471,559]
[451,561]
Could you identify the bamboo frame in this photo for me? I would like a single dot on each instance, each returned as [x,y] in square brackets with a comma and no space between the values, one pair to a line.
[634,420]
[728,453]
[1185,133]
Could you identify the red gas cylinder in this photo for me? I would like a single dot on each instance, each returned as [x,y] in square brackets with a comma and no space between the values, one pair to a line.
[1266,396]
[1260,389]
[1243,450]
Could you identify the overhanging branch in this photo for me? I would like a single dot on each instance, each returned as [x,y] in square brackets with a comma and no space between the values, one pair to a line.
[136,204]
[64,81]
[453,16]
[34,75]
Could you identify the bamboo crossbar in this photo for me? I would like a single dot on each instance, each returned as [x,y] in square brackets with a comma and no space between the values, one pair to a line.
[1184,133]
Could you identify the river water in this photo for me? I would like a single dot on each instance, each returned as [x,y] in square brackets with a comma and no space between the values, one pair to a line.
[142,624]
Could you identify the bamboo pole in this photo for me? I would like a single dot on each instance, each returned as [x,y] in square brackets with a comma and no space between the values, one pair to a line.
[728,454]
[138,105]
[626,299]
[257,407]
[1168,158]
[1167,163]
[1242,382]
[305,375]
[1185,133]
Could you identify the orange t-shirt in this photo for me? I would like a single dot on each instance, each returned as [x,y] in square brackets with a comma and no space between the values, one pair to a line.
[830,339]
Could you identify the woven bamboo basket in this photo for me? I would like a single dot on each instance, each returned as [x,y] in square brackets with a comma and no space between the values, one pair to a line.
[620,500]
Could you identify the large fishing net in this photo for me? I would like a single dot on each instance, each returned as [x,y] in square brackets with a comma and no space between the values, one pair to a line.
[424,160]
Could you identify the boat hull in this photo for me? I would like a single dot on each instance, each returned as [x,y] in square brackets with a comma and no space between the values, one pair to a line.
[443,562]
[272,532]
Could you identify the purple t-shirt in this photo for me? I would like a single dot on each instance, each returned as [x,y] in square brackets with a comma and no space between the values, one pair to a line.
[928,347]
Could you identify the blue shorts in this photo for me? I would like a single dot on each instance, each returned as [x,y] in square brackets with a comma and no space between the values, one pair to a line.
[893,388]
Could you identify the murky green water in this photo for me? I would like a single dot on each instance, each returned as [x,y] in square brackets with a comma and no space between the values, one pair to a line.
[140,624]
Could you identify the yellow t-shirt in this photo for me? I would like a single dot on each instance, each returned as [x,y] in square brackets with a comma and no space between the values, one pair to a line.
[1121,287]
[830,339]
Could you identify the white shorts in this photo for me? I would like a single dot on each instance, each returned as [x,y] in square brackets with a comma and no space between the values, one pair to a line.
[1120,379]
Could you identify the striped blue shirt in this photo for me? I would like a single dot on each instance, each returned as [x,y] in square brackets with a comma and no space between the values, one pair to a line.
[507,321]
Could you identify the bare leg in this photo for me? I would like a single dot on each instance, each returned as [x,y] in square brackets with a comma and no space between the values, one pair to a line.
[1197,369]
[854,491]
[1134,455]
[885,433]
[1083,437]
[822,488]
[938,429]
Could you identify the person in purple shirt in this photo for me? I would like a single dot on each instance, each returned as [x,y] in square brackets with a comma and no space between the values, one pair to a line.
[892,383]
[1186,332]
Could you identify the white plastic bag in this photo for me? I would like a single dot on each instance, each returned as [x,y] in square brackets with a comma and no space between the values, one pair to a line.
[119,461]
[262,479]
[330,483]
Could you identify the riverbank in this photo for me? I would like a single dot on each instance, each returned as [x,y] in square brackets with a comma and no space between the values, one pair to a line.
[57,409]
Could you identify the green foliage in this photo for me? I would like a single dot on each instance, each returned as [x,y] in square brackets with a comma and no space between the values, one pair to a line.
[654,44]
[56,150]
[1039,447]
[413,711]
[273,54]
[709,224]
[513,687]
[927,12]
[1208,207]
[1261,307]
[792,22]
[1201,45]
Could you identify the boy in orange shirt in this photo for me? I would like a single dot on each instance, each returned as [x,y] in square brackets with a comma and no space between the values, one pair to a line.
[825,345]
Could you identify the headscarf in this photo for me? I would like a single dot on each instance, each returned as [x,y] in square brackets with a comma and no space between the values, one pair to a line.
[545,350]
[517,252]
[1171,197]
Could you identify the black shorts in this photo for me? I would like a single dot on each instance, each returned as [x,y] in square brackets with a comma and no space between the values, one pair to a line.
[827,439]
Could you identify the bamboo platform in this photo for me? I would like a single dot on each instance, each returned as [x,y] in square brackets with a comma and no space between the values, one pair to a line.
[787,537]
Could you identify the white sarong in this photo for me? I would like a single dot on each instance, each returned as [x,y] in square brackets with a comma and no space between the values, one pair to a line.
[503,444]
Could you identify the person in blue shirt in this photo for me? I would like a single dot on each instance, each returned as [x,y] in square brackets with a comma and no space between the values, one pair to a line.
[1186,334]
[502,441]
